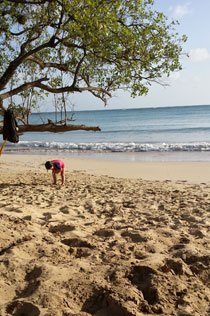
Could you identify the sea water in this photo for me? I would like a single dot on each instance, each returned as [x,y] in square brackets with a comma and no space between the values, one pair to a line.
[163,133]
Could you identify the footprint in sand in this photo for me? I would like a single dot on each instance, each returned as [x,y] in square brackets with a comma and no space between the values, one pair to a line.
[142,277]
[133,236]
[33,282]
[76,242]
[77,247]
[198,233]
[178,266]
[18,308]
[46,216]
[14,209]
[64,209]
[198,264]
[61,228]
[104,233]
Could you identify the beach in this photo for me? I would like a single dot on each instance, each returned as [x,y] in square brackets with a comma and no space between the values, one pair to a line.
[119,238]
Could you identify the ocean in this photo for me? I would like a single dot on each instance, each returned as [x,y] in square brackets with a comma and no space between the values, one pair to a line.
[179,133]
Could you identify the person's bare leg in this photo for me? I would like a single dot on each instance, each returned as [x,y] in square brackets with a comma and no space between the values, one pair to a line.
[54,177]
[63,176]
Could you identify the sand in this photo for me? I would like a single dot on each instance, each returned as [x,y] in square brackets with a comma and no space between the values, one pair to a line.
[119,239]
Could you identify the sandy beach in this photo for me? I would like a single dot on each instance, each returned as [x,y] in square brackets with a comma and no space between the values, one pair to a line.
[119,239]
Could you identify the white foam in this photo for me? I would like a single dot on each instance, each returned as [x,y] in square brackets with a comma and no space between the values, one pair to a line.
[113,147]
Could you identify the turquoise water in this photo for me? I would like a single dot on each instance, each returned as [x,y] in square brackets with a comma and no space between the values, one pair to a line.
[144,133]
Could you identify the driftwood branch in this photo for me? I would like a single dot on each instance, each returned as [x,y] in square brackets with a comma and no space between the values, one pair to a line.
[54,128]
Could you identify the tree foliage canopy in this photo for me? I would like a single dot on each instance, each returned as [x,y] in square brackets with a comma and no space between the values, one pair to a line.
[100,45]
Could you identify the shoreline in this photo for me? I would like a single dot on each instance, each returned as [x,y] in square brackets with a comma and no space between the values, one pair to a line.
[144,156]
[189,171]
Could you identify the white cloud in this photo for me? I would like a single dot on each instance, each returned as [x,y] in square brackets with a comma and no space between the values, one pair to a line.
[199,54]
[181,10]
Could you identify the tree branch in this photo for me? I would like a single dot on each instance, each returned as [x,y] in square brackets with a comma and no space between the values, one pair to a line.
[96,93]
[21,88]
[39,84]
[30,40]
[78,68]
[16,62]
[71,89]
[43,65]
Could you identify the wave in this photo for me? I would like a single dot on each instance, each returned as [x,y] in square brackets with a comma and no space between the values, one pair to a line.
[110,146]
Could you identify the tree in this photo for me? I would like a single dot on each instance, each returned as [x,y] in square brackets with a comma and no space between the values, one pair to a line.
[105,45]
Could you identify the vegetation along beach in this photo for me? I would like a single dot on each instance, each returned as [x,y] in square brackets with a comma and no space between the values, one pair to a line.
[119,226]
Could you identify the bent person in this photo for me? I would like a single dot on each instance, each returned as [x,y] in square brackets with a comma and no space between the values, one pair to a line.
[57,166]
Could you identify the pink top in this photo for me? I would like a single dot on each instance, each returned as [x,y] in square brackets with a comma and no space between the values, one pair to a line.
[60,162]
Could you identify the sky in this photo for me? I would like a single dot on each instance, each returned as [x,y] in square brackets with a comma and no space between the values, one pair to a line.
[190,86]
